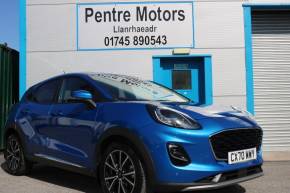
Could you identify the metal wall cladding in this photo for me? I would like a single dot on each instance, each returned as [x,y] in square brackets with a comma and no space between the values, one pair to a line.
[9,84]
[271,65]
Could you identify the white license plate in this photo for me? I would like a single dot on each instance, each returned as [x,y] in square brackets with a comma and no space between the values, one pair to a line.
[242,155]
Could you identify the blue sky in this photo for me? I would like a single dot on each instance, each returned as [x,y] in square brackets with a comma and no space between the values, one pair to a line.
[9,23]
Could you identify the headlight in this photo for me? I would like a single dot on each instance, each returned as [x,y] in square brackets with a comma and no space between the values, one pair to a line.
[172,117]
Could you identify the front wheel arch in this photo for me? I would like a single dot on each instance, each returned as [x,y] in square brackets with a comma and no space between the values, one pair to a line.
[125,136]
[133,170]
[15,151]
[13,129]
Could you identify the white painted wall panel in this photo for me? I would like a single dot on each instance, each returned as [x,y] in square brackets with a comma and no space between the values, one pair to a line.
[236,101]
[51,27]
[221,27]
[228,66]
[137,63]
[89,1]
[74,1]
[46,2]
[269,1]
[228,76]
[219,24]
[51,44]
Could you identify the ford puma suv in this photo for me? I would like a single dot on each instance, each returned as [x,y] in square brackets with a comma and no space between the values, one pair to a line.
[135,136]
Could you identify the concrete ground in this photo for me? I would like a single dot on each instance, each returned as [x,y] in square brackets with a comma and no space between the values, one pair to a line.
[51,180]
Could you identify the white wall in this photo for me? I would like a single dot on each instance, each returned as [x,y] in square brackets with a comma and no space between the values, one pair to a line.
[219,31]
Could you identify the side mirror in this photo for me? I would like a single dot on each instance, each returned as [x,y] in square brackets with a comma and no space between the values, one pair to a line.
[84,96]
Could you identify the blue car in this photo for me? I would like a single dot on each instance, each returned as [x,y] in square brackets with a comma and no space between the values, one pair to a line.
[135,136]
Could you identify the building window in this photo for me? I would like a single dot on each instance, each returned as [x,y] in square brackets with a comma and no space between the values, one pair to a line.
[181,79]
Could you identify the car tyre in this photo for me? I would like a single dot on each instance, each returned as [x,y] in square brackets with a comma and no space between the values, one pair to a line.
[121,170]
[15,161]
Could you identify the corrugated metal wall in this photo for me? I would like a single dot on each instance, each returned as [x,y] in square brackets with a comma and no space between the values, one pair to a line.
[271,63]
[9,81]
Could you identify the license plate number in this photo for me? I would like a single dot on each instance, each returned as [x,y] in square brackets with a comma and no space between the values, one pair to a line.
[242,155]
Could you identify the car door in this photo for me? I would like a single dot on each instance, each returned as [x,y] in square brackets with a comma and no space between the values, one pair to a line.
[33,116]
[72,125]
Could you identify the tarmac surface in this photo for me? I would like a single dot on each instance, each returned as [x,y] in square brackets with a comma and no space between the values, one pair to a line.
[45,179]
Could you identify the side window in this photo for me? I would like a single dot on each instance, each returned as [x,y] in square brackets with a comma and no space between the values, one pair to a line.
[46,93]
[73,84]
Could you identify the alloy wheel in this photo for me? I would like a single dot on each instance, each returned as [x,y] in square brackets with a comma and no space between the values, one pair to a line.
[119,172]
[13,157]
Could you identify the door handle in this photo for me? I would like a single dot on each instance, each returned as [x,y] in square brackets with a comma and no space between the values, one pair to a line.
[59,113]
[25,111]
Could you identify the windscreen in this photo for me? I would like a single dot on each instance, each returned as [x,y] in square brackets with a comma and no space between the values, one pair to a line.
[122,87]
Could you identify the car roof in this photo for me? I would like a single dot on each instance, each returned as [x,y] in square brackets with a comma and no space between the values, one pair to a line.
[88,74]
[101,74]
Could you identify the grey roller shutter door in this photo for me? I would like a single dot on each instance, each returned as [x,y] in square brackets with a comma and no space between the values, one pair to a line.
[271,66]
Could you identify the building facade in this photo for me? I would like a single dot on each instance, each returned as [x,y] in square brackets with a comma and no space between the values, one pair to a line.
[222,52]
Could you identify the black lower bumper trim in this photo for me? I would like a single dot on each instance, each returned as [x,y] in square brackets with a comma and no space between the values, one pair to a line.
[207,186]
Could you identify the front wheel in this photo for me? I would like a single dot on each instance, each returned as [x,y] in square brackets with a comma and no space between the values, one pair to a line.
[121,171]
[16,164]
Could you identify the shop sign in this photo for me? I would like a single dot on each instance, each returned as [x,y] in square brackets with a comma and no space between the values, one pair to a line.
[135,25]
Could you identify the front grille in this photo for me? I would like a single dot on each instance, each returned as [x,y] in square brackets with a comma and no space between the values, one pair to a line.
[234,140]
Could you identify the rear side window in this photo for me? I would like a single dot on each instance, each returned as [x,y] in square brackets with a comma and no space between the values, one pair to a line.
[46,93]
[29,94]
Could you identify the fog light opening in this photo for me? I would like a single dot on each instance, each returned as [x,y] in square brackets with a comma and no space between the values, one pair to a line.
[178,155]
[217,178]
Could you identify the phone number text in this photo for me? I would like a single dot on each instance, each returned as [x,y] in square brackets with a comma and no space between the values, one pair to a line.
[126,41]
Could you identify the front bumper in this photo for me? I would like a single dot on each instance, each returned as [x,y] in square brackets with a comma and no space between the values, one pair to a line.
[196,143]
[215,182]
[202,160]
